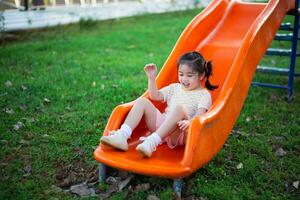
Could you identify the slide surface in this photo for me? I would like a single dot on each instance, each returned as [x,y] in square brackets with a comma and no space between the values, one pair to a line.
[234,35]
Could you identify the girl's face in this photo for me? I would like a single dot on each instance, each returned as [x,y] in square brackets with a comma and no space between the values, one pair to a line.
[188,78]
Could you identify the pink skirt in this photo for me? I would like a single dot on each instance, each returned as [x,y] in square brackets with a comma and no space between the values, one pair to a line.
[160,118]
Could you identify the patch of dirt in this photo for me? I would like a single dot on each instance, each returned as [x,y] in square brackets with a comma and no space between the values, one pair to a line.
[77,171]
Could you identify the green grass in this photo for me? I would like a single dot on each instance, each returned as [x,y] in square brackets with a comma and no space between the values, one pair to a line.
[85,70]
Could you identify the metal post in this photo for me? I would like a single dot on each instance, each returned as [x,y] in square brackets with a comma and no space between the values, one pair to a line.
[177,187]
[26,4]
[294,51]
[102,172]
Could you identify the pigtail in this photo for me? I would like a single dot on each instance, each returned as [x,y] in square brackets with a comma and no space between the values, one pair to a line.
[208,73]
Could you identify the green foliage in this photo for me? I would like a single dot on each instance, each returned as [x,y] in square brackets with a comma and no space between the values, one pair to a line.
[66,82]
[118,196]
[87,23]
[166,194]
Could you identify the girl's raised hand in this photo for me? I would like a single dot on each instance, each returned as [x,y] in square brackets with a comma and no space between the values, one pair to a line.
[150,70]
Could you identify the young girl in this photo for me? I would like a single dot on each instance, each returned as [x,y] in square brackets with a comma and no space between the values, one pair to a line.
[185,100]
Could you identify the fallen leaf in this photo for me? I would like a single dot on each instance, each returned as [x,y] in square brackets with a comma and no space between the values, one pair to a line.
[248,119]
[46,100]
[92,177]
[3,94]
[65,182]
[4,142]
[124,183]
[82,190]
[102,87]
[142,187]
[152,197]
[8,84]
[18,125]
[112,180]
[31,120]
[9,111]
[238,133]
[296,184]
[3,164]
[68,108]
[115,185]
[23,107]
[27,170]
[278,138]
[280,152]
[24,142]
[289,187]
[23,87]
[239,166]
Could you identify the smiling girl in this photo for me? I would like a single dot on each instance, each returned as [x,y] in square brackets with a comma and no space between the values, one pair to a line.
[185,100]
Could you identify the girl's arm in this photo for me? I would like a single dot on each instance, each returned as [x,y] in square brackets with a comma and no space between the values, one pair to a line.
[184,124]
[200,111]
[154,93]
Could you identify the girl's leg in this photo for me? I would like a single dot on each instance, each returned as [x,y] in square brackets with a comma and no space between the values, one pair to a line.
[176,138]
[176,114]
[142,107]
[119,138]
[168,127]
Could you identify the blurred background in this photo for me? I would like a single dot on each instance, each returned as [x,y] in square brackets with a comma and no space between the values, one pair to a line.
[28,14]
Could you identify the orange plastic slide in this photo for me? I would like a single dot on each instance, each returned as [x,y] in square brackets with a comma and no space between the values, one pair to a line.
[234,35]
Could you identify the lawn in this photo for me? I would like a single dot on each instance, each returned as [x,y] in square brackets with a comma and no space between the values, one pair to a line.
[58,87]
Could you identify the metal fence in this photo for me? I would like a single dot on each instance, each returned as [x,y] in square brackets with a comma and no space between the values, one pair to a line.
[40,4]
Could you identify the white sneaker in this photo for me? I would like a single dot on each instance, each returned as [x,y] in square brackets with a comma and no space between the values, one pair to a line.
[147,147]
[115,139]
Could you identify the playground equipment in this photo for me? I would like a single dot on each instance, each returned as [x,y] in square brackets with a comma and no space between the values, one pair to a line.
[291,53]
[234,35]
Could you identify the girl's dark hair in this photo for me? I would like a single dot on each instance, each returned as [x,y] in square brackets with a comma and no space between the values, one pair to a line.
[196,61]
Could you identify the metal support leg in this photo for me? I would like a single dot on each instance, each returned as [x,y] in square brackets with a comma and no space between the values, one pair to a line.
[102,172]
[177,187]
[294,53]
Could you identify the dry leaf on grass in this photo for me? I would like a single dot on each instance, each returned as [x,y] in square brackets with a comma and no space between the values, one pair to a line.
[240,166]
[8,84]
[46,100]
[23,87]
[27,170]
[142,187]
[82,190]
[9,111]
[296,184]
[18,125]
[152,197]
[280,152]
